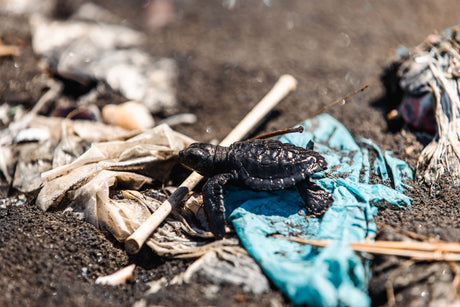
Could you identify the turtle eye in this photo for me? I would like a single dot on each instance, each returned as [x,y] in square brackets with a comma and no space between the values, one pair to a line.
[199,157]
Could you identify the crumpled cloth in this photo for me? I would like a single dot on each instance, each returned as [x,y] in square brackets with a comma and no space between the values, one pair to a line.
[429,76]
[334,275]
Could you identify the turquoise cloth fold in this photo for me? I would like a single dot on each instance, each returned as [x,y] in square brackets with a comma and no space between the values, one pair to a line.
[334,275]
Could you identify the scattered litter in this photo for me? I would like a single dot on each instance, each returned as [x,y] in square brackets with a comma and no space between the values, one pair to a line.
[118,278]
[86,184]
[333,275]
[282,87]
[130,115]
[173,239]
[85,51]
[54,38]
[224,266]
[119,217]
[149,153]
[32,160]
[86,187]
[429,79]
[41,143]
[83,186]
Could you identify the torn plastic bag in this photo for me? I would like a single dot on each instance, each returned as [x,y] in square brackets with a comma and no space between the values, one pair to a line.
[150,153]
[33,146]
[334,275]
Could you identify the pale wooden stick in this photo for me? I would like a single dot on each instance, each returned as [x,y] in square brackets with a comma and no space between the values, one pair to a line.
[281,89]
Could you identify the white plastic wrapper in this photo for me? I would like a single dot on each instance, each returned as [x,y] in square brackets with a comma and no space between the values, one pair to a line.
[119,217]
[46,142]
[149,152]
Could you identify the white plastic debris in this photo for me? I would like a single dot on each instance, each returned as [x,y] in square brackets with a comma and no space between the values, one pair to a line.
[86,182]
[118,278]
[6,159]
[108,53]
[32,135]
[119,217]
[33,159]
[149,152]
[42,143]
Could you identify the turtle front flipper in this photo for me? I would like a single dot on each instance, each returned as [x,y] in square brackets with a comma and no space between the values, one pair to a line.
[316,199]
[213,200]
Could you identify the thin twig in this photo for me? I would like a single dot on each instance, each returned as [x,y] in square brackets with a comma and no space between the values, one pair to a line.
[284,86]
[341,100]
[391,279]
[456,281]
[298,129]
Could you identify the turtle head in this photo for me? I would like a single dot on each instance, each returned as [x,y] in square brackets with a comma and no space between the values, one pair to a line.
[199,157]
[317,163]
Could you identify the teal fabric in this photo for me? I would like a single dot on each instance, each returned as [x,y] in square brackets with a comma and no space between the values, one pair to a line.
[334,275]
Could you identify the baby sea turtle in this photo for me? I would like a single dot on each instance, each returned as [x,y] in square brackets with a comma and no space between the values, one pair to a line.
[262,165]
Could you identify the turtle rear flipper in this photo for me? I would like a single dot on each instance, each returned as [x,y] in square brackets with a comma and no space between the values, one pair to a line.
[316,199]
